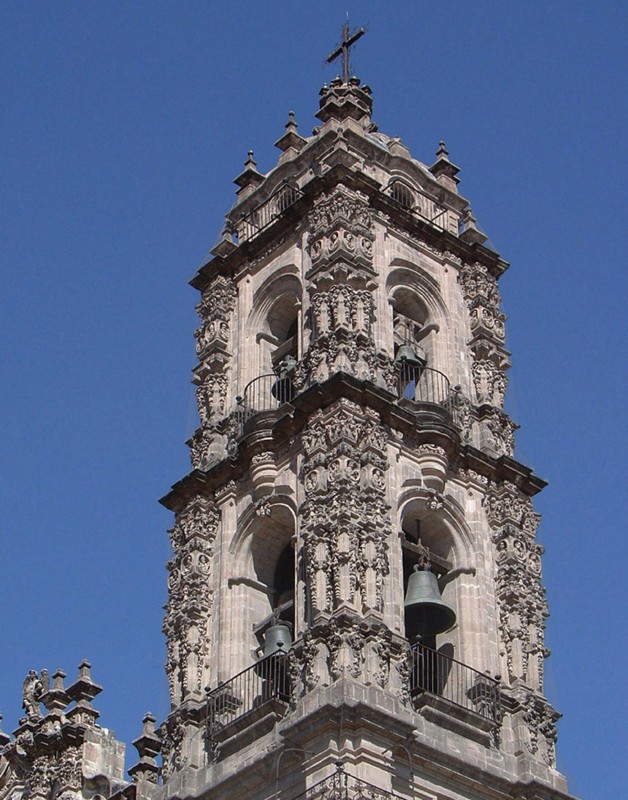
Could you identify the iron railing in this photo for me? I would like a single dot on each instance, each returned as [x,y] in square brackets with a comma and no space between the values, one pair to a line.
[266,213]
[248,691]
[425,210]
[443,676]
[343,786]
[266,393]
[423,385]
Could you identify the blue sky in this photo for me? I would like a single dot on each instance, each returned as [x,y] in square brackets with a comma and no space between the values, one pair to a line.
[123,126]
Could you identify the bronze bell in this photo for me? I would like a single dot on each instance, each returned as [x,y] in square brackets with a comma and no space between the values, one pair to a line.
[277,639]
[426,612]
[406,355]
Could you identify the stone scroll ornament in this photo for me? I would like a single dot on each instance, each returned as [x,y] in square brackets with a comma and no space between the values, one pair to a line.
[522,609]
[189,606]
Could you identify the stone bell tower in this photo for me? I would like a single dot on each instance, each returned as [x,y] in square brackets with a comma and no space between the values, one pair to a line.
[355,597]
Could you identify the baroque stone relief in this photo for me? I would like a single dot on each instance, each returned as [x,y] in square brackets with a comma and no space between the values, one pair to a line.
[190,600]
[346,531]
[215,310]
[341,228]
[522,610]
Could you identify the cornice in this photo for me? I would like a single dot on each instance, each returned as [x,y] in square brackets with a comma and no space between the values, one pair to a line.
[276,430]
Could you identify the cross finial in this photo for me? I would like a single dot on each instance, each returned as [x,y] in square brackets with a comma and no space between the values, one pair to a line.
[348,39]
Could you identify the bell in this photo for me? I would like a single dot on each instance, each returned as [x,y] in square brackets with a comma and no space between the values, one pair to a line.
[426,612]
[406,355]
[277,640]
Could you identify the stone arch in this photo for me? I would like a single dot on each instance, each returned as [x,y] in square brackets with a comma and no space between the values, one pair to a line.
[418,313]
[266,535]
[274,320]
[443,530]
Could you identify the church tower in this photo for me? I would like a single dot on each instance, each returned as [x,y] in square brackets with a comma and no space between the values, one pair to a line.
[355,597]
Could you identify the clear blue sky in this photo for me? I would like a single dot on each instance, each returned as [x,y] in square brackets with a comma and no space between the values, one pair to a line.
[123,125]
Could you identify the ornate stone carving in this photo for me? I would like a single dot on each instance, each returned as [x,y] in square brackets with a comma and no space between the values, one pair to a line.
[500,432]
[211,396]
[541,720]
[172,733]
[215,310]
[490,382]
[340,225]
[33,688]
[519,591]
[479,286]
[345,517]
[188,610]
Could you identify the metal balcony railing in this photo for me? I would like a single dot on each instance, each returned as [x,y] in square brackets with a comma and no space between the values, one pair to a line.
[421,207]
[443,676]
[423,385]
[248,691]
[266,393]
[343,786]
[263,215]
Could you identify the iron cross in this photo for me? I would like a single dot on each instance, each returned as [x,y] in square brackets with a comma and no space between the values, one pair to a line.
[343,49]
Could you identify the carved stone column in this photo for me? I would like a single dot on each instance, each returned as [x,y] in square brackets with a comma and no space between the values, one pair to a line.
[341,287]
[490,358]
[346,535]
[189,606]
[212,375]
[522,609]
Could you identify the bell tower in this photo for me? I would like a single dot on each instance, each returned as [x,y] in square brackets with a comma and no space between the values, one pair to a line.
[355,596]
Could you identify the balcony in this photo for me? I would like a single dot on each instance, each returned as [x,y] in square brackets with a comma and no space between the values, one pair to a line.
[419,390]
[343,786]
[264,394]
[423,385]
[258,694]
[444,690]
[263,215]
[440,685]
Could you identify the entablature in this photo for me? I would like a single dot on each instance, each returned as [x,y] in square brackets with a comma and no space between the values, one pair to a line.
[417,424]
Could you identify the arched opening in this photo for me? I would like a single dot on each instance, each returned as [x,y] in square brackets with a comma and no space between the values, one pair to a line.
[430,608]
[274,565]
[402,194]
[410,317]
[285,333]
[411,329]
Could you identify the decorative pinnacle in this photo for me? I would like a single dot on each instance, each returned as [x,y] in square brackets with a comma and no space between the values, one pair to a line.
[348,40]
[291,124]
[250,162]
[442,151]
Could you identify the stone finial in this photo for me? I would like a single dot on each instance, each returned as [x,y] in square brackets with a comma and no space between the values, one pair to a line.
[250,178]
[250,162]
[470,232]
[83,691]
[226,244]
[443,170]
[148,745]
[291,139]
[56,698]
